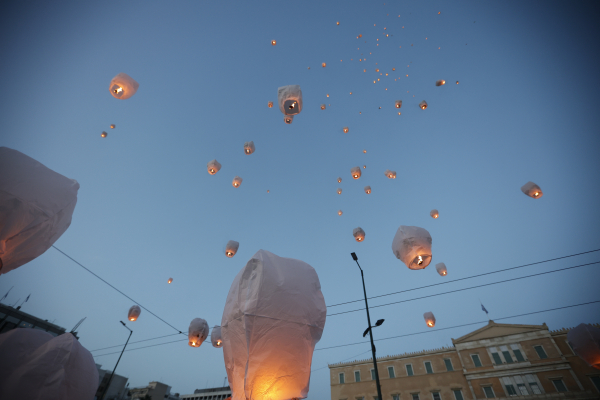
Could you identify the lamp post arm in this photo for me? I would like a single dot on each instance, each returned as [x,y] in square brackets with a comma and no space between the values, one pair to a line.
[113,373]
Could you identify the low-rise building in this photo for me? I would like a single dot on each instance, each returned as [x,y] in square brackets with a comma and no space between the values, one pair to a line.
[117,389]
[11,318]
[154,391]
[218,393]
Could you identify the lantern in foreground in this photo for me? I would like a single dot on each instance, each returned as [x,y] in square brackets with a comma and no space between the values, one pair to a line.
[237,181]
[434,213]
[270,104]
[398,103]
[112,126]
[532,190]
[585,341]
[36,206]
[423,105]
[358,234]
[390,174]
[289,99]
[346,130]
[355,171]
[440,82]
[197,332]
[339,180]
[441,269]
[368,189]
[123,86]
[170,280]
[274,316]
[429,319]
[249,147]
[215,337]
[323,106]
[231,248]
[339,191]
[103,134]
[213,167]
[412,245]
[134,313]
[340,212]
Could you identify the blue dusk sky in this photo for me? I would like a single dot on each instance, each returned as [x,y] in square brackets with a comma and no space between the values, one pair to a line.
[526,109]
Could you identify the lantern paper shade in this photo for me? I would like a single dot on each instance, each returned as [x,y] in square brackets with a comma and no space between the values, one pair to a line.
[390,174]
[270,104]
[170,280]
[355,172]
[123,86]
[274,316]
[339,191]
[213,167]
[215,337]
[36,206]
[368,189]
[36,365]
[412,245]
[340,212]
[112,126]
[249,147]
[339,180]
[429,319]
[323,106]
[134,313]
[434,213]
[288,119]
[197,332]
[440,82]
[441,269]
[231,248]
[398,103]
[103,134]
[289,99]
[359,234]
[585,341]
[423,105]
[532,190]
[237,181]
[346,129]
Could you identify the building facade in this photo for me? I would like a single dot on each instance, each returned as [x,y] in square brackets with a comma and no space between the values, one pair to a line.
[218,393]
[118,385]
[497,361]
[11,318]
[154,391]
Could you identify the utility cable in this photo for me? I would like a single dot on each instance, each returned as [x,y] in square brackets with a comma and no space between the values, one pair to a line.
[139,341]
[143,347]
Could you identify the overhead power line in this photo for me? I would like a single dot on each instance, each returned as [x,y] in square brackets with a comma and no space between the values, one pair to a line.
[139,341]
[143,347]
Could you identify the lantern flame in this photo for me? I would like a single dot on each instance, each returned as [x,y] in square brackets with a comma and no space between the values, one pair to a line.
[420,260]
[118,90]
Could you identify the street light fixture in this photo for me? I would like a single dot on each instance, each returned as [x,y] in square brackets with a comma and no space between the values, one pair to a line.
[113,373]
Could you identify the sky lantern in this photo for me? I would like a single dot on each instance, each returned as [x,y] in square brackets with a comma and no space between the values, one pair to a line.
[457,82]
[368,189]
[390,174]
[429,319]
[412,245]
[237,181]
[340,212]
[213,167]
[112,126]
[355,171]
[441,82]
[215,337]
[274,316]
[434,213]
[441,269]
[359,234]
[170,280]
[339,190]
[134,313]
[346,130]
[231,248]
[532,190]
[423,105]
[323,106]
[123,86]
[585,342]
[339,180]
[364,166]
[197,332]
[36,207]
[365,151]
[273,42]
[249,147]
[270,104]
[289,99]
[103,134]
[398,103]
[323,65]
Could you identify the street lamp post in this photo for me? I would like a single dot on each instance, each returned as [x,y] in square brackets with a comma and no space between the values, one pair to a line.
[370,329]
[113,373]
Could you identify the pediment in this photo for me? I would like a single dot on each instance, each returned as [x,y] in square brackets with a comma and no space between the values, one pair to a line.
[493,329]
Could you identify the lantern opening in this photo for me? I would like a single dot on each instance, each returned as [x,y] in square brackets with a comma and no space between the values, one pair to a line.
[420,260]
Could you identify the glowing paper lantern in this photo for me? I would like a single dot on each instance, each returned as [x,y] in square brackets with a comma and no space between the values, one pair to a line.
[36,206]
[323,65]
[216,338]
[112,126]
[340,212]
[103,134]
[423,105]
[358,234]
[532,190]
[434,213]
[231,248]
[197,332]
[412,245]
[339,191]
[339,180]
[585,341]
[429,319]
[170,280]
[273,42]
[249,147]
[270,104]
[213,167]
[134,313]
[288,119]
[390,174]
[355,171]
[441,269]
[123,86]
[237,181]
[398,103]
[440,82]
[273,317]
[346,130]
[289,99]
[368,189]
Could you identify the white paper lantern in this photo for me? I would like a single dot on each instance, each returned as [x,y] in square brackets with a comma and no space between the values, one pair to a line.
[323,106]
[288,119]
[339,191]
[339,180]
[231,248]
[423,105]
[340,212]
[441,269]
[398,103]
[170,280]
[36,206]
[412,245]
[434,213]
[585,341]
[134,313]
[346,129]
[368,189]
[249,147]
[532,190]
[274,315]
[123,86]
[103,134]
[390,174]
[441,82]
[197,332]
[213,167]
[112,126]
[355,171]
[289,99]
[359,234]
[215,337]
[270,104]
[237,181]
[429,319]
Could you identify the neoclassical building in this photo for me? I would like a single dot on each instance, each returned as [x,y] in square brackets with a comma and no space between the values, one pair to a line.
[497,361]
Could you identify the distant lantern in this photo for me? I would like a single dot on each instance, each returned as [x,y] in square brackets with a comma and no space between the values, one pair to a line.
[429,319]
[390,174]
[270,104]
[440,82]
[213,167]
[288,119]
[346,130]
[249,147]
[123,86]
[170,280]
[434,213]
[339,191]
[231,248]
[393,69]
[197,332]
[358,234]
[423,105]
[273,42]
[412,245]
[360,35]
[339,180]
[134,313]
[441,269]
[364,166]
[457,82]
[338,22]
[365,151]
[398,103]
[585,342]
[368,189]
[289,99]
[532,190]
[237,181]
[103,134]
[340,212]
[323,106]
[323,65]
[355,171]
[112,126]
[215,337]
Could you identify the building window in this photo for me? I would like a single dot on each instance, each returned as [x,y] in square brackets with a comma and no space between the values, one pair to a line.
[522,389]
[436,395]
[457,394]
[372,374]
[342,378]
[540,352]
[428,367]
[506,354]
[489,392]
[517,352]
[395,397]
[409,370]
[415,396]
[510,389]
[476,360]
[448,363]
[559,385]
[391,372]
[497,358]
[596,381]
[356,376]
